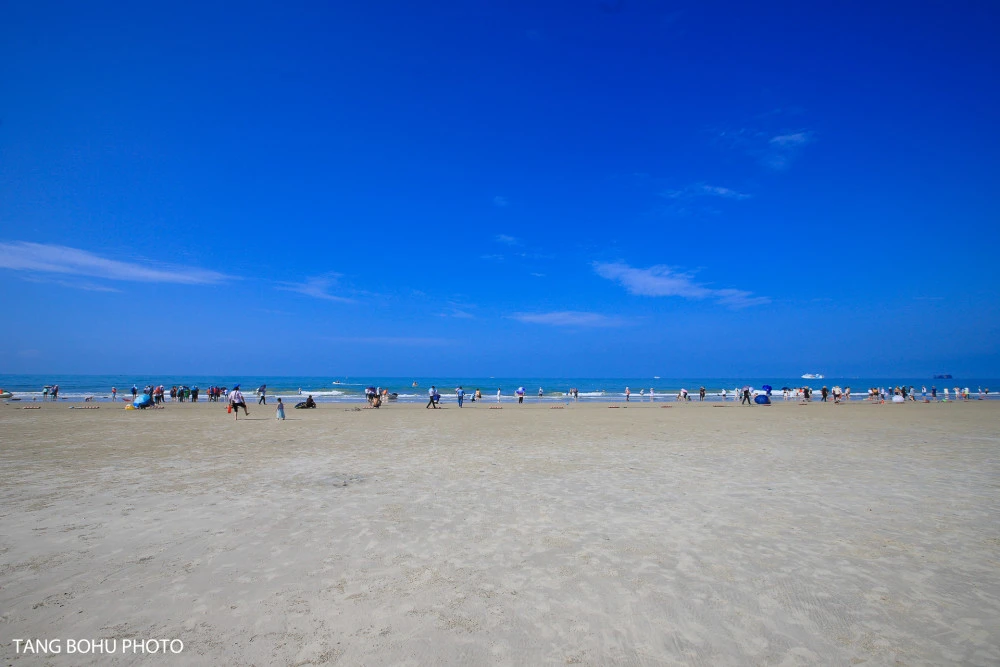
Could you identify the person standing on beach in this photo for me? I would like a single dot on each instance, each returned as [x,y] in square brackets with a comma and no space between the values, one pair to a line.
[746,396]
[628,393]
[279,412]
[652,396]
[431,393]
[460,393]
[540,393]
[933,392]
[135,391]
[520,395]
[701,394]
[263,395]
[237,401]
[498,395]
[114,394]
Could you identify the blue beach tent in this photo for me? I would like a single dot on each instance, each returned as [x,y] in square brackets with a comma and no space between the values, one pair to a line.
[761,399]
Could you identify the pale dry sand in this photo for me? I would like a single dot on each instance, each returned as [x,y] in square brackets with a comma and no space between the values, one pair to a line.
[786,535]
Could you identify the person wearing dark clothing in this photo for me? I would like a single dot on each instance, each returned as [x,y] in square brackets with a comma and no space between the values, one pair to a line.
[262,392]
[746,397]
[308,403]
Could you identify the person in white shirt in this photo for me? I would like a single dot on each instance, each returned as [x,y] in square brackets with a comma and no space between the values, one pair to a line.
[236,401]
[498,394]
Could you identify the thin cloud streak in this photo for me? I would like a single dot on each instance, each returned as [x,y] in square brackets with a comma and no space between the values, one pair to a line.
[571,318]
[76,284]
[703,190]
[317,287]
[505,239]
[794,139]
[784,148]
[45,258]
[661,280]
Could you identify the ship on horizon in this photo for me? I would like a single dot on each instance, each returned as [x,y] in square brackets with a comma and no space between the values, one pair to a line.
[813,376]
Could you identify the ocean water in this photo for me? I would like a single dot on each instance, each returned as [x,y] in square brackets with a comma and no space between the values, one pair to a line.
[414,389]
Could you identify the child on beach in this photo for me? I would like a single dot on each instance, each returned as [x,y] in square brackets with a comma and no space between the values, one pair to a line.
[279,412]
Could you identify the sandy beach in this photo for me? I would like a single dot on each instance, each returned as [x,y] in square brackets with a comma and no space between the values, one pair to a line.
[694,535]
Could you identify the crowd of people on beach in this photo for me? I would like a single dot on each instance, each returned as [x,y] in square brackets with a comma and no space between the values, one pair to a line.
[377,396]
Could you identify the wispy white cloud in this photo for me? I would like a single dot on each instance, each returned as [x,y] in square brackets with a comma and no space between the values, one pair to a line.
[571,318]
[774,148]
[783,148]
[45,258]
[458,314]
[505,239]
[84,285]
[500,201]
[458,310]
[317,287]
[663,281]
[791,140]
[703,190]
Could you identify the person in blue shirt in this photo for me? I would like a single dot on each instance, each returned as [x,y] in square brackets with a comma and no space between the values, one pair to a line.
[461,395]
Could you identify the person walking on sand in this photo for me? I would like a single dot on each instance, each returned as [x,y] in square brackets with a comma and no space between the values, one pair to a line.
[114,394]
[628,393]
[237,401]
[431,403]
[460,393]
[746,396]
[498,395]
[279,412]
[262,392]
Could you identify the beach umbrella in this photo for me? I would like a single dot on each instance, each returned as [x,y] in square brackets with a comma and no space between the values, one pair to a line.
[767,387]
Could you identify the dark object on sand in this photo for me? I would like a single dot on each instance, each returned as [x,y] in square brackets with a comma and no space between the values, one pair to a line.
[308,403]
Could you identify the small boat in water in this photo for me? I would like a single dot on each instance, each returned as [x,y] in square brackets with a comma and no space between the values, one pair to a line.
[813,376]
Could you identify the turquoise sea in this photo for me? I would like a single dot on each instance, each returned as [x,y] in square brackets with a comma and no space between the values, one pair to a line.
[414,389]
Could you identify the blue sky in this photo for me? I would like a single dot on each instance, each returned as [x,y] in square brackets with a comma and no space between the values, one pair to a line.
[586,188]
